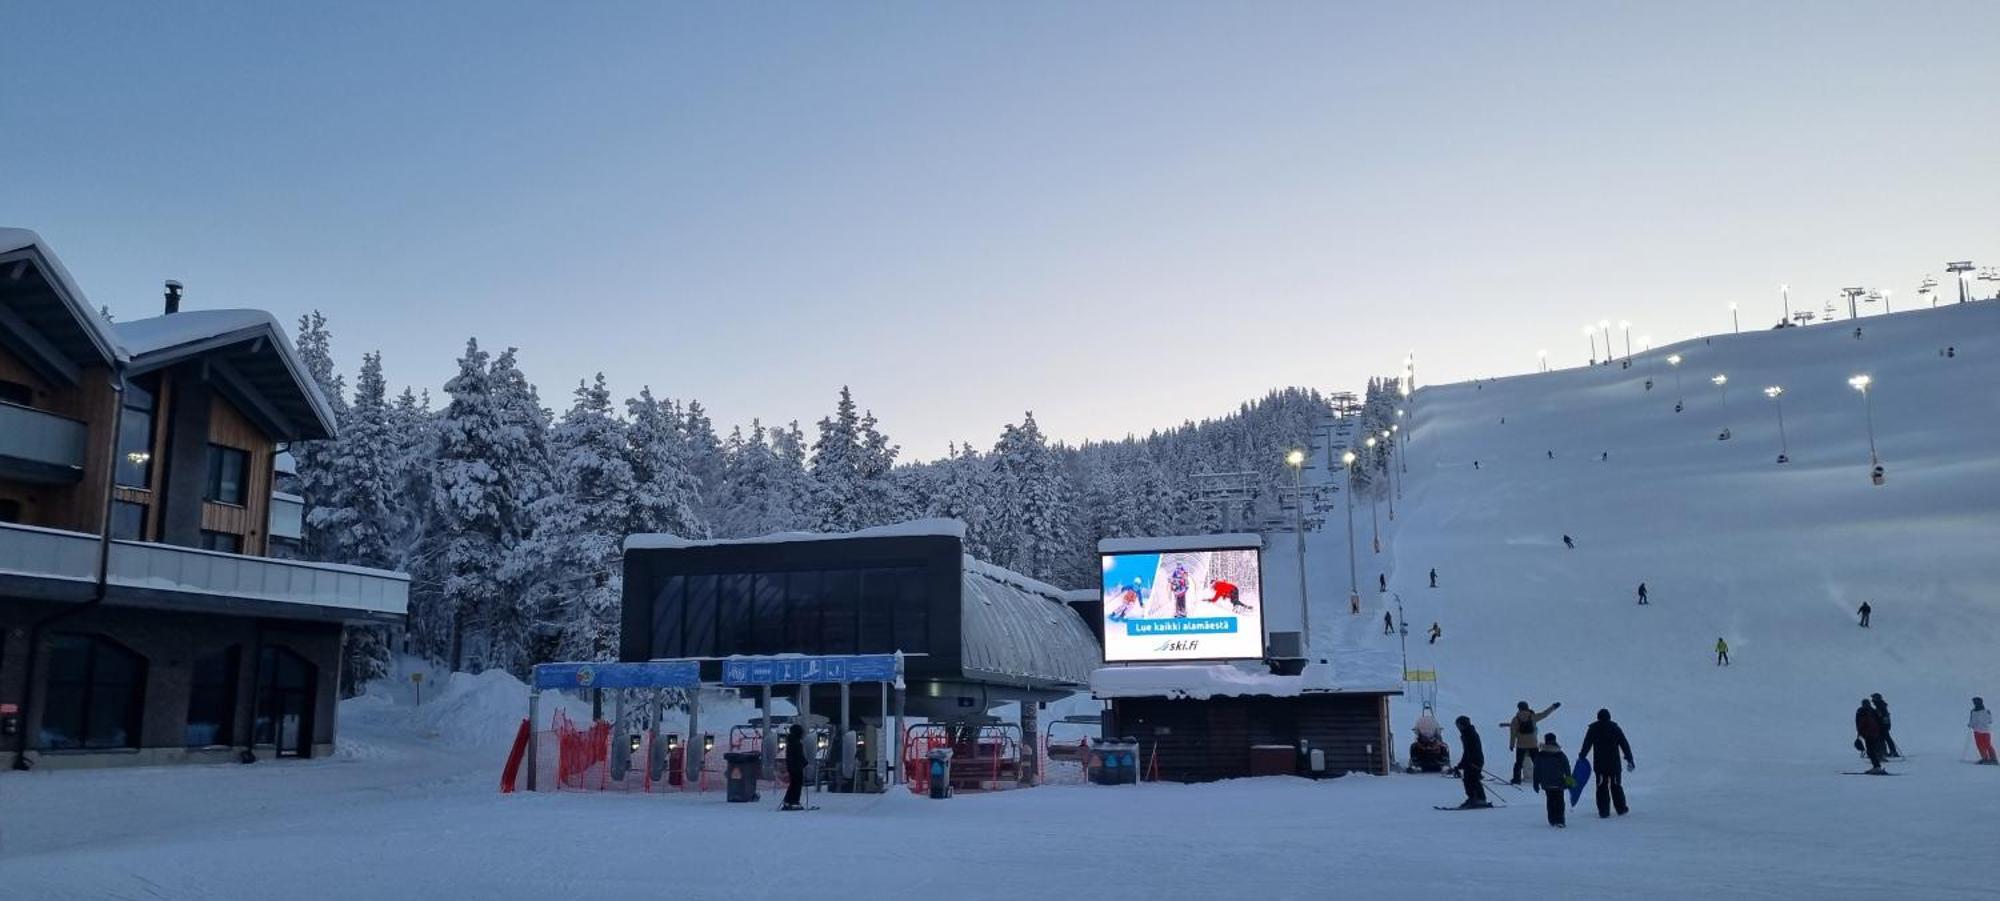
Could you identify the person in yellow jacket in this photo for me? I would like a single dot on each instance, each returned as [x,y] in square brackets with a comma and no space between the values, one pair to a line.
[1721,652]
[1521,734]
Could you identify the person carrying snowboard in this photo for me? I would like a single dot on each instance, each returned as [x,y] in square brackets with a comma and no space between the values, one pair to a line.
[1981,724]
[1521,733]
[1568,543]
[1864,611]
[1471,762]
[1888,733]
[1435,632]
[1642,593]
[1177,582]
[1552,776]
[1388,623]
[1434,577]
[1604,743]
[1721,652]
[1868,725]
[795,766]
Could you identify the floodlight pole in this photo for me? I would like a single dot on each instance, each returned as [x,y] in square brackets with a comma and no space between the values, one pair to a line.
[1299,525]
[1353,588]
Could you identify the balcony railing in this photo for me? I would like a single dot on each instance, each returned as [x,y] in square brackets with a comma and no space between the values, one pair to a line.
[41,446]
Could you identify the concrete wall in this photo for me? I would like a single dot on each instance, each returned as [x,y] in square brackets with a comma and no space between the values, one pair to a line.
[170,642]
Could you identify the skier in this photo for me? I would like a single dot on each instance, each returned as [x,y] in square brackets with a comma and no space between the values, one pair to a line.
[1224,590]
[1642,593]
[1865,611]
[1552,776]
[1475,464]
[1721,652]
[1471,761]
[1177,582]
[1568,543]
[1388,623]
[1521,733]
[1604,742]
[1868,725]
[1552,455]
[1128,600]
[795,766]
[1354,604]
[1381,581]
[1981,724]
[1604,457]
[1888,735]
[1435,632]
[1434,577]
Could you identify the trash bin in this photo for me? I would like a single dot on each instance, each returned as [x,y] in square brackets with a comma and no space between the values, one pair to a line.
[1114,761]
[940,773]
[744,769]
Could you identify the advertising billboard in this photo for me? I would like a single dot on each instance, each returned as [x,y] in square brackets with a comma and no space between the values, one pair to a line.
[1183,605]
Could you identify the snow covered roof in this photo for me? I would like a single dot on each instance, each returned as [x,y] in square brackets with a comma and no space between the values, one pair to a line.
[1220,680]
[255,360]
[1180,543]
[45,312]
[951,528]
[1017,629]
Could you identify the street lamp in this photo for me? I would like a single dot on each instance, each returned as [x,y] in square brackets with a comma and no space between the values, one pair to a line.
[1886,308]
[1777,395]
[1543,356]
[1860,383]
[1626,327]
[1297,460]
[1605,325]
[1389,448]
[1374,521]
[1645,342]
[1722,382]
[1786,292]
[1674,360]
[1735,325]
[1591,334]
[1347,459]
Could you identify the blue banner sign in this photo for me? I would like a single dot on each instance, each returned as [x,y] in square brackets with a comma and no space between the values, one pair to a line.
[651,674]
[809,670]
[1218,625]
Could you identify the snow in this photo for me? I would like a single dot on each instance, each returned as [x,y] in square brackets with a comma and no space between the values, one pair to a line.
[140,337]
[1180,543]
[913,528]
[1202,681]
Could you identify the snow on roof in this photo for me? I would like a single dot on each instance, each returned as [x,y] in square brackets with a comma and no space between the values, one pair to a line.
[951,528]
[1018,630]
[167,338]
[1219,680]
[1180,543]
[13,239]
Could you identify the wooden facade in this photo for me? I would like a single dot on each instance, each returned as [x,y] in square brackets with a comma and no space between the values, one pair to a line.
[1185,740]
[76,506]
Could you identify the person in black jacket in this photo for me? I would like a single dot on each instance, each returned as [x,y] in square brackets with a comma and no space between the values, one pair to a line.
[1471,762]
[1888,736]
[1604,743]
[1868,725]
[1552,776]
[795,766]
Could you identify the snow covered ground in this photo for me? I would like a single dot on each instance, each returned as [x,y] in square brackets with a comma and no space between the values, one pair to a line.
[1738,793]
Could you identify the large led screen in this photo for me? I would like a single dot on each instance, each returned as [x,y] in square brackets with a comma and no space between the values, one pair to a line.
[1183,605]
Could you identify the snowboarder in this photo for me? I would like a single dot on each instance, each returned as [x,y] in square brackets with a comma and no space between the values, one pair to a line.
[1435,632]
[1981,724]
[1888,733]
[1475,464]
[1381,581]
[1224,590]
[1865,611]
[1552,776]
[1177,582]
[1604,457]
[1521,733]
[1471,761]
[1642,593]
[1721,652]
[1604,743]
[1868,725]
[795,766]
[1568,543]
[1388,623]
[1434,577]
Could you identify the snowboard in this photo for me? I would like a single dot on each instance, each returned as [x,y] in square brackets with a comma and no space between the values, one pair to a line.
[1456,807]
[1869,774]
[1580,778]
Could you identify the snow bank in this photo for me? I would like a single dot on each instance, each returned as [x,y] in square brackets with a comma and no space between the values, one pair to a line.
[950,528]
[1180,543]
[1219,680]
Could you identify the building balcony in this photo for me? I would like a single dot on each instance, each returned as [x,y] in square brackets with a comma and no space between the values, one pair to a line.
[53,565]
[38,446]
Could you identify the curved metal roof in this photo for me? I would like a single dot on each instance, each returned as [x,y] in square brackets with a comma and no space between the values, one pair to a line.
[1018,631]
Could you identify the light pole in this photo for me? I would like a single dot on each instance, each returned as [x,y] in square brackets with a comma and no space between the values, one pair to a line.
[1785,291]
[1389,447]
[1347,458]
[1374,504]
[1674,361]
[1735,324]
[1960,269]
[1297,459]
[1591,334]
[1861,383]
[1722,382]
[1853,294]
[1543,356]
[1886,308]
[1605,326]
[1402,459]
[1626,327]
[1777,395]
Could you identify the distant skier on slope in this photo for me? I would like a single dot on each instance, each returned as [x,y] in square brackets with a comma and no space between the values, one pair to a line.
[1642,593]
[1435,632]
[1434,577]
[1721,652]
[1471,762]
[1381,581]
[1521,733]
[1552,777]
[1865,611]
[1569,543]
[1177,582]
[1388,623]
[1604,743]
[1888,726]
[1981,724]
[1868,725]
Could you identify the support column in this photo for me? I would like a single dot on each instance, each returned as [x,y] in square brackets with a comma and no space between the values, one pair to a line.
[694,750]
[770,742]
[534,702]
[883,744]
[1031,743]
[839,742]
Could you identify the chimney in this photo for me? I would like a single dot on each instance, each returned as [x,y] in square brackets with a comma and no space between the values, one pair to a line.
[173,297]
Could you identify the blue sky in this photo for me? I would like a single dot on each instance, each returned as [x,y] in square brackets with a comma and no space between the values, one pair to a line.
[1117,215]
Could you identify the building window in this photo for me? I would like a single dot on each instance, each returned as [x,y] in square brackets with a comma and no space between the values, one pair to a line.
[228,475]
[212,699]
[16,393]
[226,542]
[135,436]
[128,521]
[96,694]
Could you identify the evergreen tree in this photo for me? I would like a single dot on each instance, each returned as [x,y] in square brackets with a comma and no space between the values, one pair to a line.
[357,520]
[315,458]
[839,504]
[465,538]
[666,493]
[572,564]
[1031,512]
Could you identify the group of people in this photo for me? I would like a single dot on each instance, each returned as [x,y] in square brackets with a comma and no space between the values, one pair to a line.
[1546,764]
[1871,730]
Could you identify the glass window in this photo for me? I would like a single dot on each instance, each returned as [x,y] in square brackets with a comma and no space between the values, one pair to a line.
[879,590]
[668,606]
[732,602]
[285,697]
[135,436]
[767,616]
[16,393]
[913,615]
[839,601]
[95,695]
[700,640]
[226,542]
[212,699]
[228,475]
[128,521]
[801,613]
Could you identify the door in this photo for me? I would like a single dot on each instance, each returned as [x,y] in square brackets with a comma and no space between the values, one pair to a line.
[286,691]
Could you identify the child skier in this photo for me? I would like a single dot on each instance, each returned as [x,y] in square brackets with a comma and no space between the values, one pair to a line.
[1981,724]
[1721,652]
[1552,776]
[1177,582]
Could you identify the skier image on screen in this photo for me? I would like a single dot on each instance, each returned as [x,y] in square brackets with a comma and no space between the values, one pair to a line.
[1177,582]
[1223,590]
[1128,601]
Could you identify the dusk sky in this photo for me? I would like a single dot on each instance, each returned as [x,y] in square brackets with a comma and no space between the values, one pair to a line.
[1119,216]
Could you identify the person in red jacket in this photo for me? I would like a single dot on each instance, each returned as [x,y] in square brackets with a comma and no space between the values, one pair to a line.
[1224,590]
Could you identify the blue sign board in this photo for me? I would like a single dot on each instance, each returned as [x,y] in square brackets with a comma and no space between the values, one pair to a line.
[809,670]
[652,674]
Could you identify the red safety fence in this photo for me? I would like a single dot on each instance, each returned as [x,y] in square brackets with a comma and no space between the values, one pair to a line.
[571,757]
